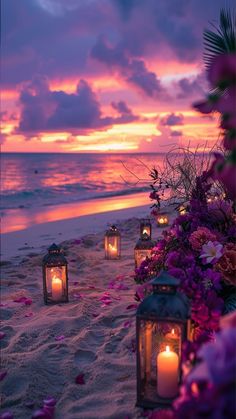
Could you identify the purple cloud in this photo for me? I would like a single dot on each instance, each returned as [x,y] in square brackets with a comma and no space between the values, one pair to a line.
[189,87]
[46,110]
[134,71]
[172,119]
[59,35]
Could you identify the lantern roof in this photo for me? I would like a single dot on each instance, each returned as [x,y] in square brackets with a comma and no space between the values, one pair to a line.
[54,257]
[113,231]
[54,248]
[145,242]
[164,278]
[166,303]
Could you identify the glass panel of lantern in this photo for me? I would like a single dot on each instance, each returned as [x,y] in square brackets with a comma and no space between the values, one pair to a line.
[161,328]
[55,276]
[145,227]
[162,220]
[182,210]
[143,249]
[112,243]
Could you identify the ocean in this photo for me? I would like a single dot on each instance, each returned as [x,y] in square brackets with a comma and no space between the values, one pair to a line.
[31,183]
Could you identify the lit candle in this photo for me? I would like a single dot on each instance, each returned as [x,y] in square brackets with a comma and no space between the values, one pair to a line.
[162,220]
[112,249]
[56,288]
[167,373]
[182,210]
[148,349]
[145,231]
[172,335]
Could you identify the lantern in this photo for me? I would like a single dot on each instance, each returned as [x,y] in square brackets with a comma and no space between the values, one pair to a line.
[162,220]
[143,249]
[182,210]
[112,243]
[212,198]
[145,228]
[161,328]
[55,276]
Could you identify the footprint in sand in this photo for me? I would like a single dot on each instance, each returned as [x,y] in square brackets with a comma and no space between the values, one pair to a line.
[9,332]
[83,358]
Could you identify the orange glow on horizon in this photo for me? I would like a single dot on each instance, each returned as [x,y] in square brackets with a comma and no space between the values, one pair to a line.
[16,220]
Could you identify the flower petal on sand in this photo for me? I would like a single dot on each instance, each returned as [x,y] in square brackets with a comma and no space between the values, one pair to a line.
[80,379]
[50,401]
[2,375]
[60,337]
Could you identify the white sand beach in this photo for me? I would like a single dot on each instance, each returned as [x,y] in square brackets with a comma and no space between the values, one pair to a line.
[44,347]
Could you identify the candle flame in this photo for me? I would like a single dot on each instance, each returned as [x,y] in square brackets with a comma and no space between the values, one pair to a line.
[145,231]
[111,247]
[173,331]
[55,279]
[167,349]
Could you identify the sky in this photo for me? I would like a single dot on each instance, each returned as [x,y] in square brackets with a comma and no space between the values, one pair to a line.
[104,75]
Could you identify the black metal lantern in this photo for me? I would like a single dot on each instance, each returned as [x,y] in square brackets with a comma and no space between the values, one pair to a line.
[143,249]
[55,276]
[112,243]
[161,328]
[145,228]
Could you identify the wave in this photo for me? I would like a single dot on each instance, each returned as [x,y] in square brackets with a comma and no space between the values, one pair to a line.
[64,194]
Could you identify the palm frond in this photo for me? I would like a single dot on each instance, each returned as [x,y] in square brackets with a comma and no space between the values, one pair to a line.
[223,39]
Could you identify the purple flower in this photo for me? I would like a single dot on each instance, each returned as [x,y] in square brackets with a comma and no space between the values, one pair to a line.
[209,390]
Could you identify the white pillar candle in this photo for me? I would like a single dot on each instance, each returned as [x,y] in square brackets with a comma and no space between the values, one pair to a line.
[56,288]
[167,373]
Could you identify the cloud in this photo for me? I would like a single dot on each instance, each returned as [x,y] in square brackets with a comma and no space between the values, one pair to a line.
[172,119]
[46,110]
[192,87]
[134,71]
[59,35]
[126,114]
[159,143]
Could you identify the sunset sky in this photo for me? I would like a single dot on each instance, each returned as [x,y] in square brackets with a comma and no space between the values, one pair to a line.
[104,75]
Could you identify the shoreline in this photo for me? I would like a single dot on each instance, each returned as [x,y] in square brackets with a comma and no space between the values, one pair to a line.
[38,237]
[22,219]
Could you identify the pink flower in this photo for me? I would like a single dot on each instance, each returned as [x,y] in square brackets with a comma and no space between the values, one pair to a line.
[227,266]
[211,251]
[201,236]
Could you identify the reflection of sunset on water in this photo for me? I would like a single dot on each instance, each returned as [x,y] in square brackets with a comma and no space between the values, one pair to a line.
[21,219]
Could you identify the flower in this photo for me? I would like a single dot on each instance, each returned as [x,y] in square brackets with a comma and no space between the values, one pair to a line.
[209,390]
[226,265]
[211,251]
[201,236]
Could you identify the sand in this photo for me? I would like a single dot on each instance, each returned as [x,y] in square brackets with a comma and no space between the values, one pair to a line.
[46,347]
